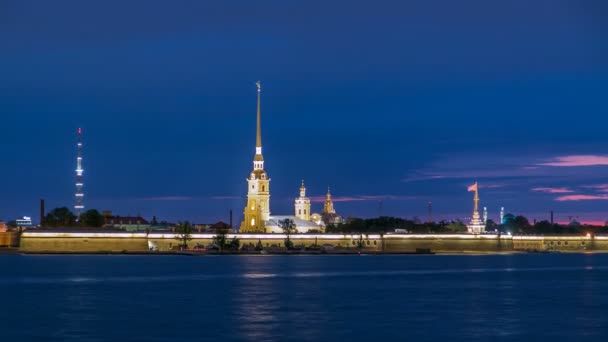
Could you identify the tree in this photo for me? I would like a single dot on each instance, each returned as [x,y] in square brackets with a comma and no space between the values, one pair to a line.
[219,240]
[491,225]
[183,233]
[457,227]
[289,227]
[92,218]
[60,217]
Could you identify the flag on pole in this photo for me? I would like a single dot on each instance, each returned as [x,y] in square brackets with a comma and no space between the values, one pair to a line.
[473,187]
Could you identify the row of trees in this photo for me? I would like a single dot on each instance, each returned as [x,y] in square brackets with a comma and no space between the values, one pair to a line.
[63,217]
[385,224]
[512,224]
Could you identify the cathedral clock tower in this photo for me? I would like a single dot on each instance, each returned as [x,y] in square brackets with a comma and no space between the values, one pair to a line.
[257,210]
[302,204]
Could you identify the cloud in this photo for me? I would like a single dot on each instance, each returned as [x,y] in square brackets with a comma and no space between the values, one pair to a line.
[225,197]
[598,187]
[359,198]
[553,190]
[169,198]
[582,198]
[577,160]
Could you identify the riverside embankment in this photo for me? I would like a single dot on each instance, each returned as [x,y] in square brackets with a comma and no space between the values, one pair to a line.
[120,242]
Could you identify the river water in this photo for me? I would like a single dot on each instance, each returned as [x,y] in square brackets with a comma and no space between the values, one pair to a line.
[556,297]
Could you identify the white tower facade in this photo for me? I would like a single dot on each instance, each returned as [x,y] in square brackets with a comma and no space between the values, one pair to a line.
[302,204]
[485,215]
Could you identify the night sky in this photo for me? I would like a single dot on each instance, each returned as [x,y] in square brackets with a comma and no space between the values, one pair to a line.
[399,102]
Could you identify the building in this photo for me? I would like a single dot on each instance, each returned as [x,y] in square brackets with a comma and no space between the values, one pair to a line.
[476,226]
[302,205]
[3,227]
[329,215]
[128,223]
[257,210]
[26,221]
[256,214]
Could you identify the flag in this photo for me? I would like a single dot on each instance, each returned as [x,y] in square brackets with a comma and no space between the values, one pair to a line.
[473,187]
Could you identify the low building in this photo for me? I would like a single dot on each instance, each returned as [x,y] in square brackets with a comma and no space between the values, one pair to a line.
[128,223]
[3,227]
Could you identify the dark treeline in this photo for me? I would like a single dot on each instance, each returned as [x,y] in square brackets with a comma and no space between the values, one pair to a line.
[63,217]
[518,225]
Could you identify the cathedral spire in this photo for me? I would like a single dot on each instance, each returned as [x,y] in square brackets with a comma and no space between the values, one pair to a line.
[258,160]
[258,136]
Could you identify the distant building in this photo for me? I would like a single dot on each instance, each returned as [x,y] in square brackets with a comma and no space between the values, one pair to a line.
[476,226]
[128,223]
[3,227]
[26,221]
[329,215]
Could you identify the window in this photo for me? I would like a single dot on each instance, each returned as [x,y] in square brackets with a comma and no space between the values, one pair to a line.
[263,188]
[299,211]
[304,211]
[252,222]
[375,242]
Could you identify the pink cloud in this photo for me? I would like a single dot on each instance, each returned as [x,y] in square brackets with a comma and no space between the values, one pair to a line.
[598,187]
[168,198]
[577,160]
[225,197]
[582,198]
[553,190]
[320,199]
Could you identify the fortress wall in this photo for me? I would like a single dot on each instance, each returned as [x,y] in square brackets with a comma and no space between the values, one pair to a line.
[9,239]
[561,243]
[74,242]
[391,243]
[447,243]
[166,242]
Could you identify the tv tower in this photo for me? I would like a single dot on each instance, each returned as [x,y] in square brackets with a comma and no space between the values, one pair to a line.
[79,206]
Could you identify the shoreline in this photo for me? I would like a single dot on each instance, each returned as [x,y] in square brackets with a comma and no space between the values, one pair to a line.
[14,251]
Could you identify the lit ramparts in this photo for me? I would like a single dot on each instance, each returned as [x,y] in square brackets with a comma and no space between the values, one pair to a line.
[33,241]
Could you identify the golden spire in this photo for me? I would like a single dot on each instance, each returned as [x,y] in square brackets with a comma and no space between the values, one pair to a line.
[258,137]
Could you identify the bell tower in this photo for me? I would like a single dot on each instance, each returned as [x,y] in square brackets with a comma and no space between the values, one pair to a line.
[302,204]
[328,206]
[257,210]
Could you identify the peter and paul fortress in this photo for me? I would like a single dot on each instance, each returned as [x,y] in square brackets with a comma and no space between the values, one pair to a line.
[257,210]
[257,218]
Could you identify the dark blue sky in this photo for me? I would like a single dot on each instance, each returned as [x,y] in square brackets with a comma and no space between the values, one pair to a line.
[401,101]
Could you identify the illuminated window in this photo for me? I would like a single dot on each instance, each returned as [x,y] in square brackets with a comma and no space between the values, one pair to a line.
[252,222]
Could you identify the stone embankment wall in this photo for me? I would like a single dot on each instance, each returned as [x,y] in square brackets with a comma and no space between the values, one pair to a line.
[9,239]
[32,241]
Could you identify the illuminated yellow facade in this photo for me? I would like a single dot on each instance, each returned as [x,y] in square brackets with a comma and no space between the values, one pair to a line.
[328,205]
[257,210]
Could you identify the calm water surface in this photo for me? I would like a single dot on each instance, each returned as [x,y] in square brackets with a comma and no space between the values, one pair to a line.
[307,298]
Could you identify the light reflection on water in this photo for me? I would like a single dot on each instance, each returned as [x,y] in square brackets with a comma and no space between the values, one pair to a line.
[455,298]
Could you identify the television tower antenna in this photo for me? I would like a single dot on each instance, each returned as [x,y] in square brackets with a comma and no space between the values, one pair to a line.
[79,205]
